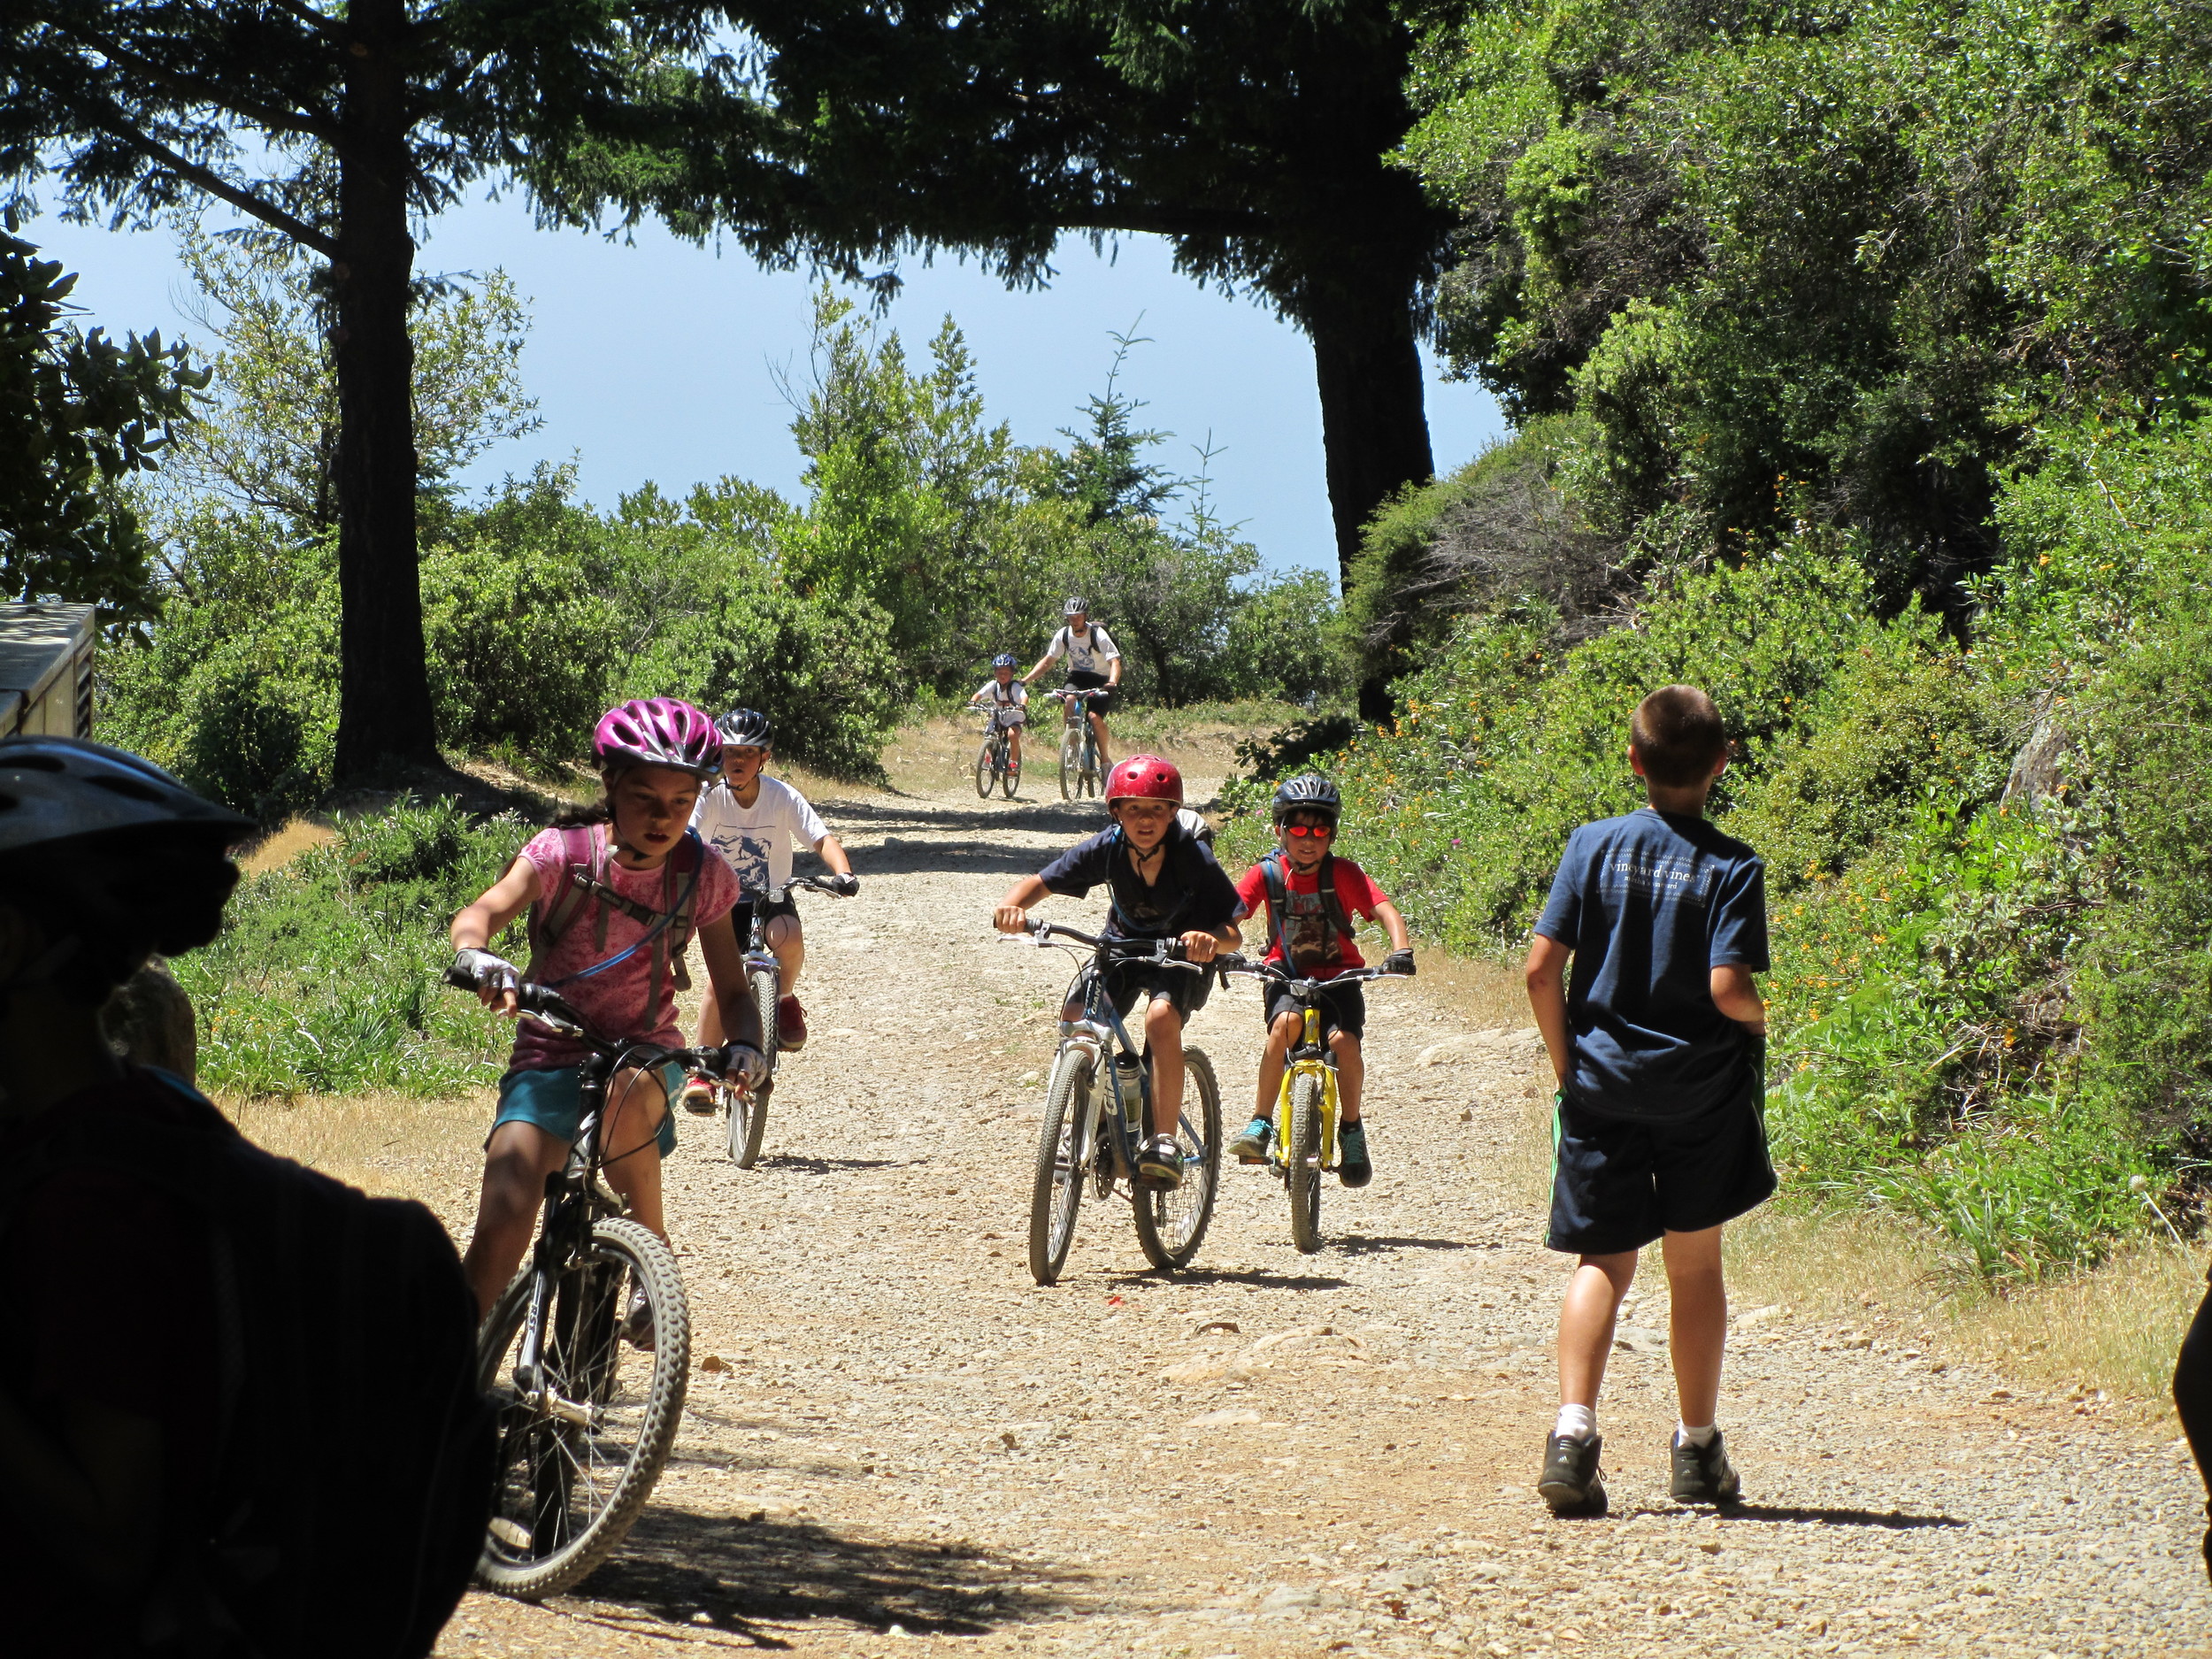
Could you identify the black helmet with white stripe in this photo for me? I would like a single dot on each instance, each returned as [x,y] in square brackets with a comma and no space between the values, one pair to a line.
[1308,792]
[745,727]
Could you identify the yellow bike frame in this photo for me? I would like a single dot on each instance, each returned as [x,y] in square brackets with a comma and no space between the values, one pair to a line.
[1327,1074]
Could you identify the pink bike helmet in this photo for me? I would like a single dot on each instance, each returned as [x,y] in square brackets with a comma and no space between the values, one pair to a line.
[1144,778]
[657,731]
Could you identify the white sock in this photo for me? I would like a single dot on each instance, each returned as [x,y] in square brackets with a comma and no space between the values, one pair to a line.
[1578,1421]
[1684,1435]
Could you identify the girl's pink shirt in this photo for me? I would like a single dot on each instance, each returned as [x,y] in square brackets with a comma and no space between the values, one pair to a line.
[623,1001]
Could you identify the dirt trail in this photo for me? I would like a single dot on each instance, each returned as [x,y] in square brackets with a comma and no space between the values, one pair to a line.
[896,1444]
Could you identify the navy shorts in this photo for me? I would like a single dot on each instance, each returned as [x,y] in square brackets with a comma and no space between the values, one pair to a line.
[1342,1008]
[1618,1183]
[1185,990]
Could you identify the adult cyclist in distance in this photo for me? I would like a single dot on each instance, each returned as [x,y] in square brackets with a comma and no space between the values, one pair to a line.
[1094,665]
[751,819]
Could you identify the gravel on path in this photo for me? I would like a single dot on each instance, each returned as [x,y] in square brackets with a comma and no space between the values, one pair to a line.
[896,1444]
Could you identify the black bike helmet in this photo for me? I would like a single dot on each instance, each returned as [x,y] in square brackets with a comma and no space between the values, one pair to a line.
[111,856]
[1308,792]
[745,727]
[1005,659]
[59,788]
[1076,608]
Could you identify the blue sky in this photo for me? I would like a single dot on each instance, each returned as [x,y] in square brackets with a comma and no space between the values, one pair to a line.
[656,361]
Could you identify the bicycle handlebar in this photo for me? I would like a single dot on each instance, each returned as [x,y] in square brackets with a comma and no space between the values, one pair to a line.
[1162,952]
[548,1008]
[1235,964]
[816,884]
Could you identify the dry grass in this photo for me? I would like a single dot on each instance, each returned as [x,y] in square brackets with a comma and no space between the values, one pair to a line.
[385,1144]
[2116,1327]
[279,846]
[1486,993]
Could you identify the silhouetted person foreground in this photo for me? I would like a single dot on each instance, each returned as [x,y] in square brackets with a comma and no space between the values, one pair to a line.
[238,1411]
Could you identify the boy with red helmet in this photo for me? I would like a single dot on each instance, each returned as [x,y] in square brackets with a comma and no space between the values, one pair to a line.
[613,898]
[1166,884]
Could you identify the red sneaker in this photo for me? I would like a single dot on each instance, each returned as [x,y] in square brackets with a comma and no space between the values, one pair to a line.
[790,1025]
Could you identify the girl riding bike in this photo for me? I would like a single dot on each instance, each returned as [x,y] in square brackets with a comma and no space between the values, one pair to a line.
[613,899]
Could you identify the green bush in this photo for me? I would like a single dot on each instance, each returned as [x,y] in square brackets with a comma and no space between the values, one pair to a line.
[325,976]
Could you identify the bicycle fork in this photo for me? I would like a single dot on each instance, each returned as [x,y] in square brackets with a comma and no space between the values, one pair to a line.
[1309,1055]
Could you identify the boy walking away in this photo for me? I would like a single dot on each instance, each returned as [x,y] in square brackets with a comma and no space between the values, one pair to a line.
[1311,897]
[1660,1049]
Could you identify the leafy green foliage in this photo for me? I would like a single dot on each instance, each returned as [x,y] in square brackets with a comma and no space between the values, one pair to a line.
[325,976]
[78,415]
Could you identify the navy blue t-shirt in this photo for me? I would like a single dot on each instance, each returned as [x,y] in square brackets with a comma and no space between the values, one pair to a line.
[1193,893]
[1650,904]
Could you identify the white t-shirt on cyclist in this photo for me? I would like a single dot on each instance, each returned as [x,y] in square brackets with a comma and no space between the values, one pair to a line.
[1086,655]
[756,839]
[1006,702]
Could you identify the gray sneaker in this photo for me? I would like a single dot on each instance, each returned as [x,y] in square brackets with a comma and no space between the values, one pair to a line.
[1160,1164]
[1702,1473]
[1571,1482]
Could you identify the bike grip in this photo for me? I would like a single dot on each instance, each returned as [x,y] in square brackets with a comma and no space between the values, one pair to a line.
[458,977]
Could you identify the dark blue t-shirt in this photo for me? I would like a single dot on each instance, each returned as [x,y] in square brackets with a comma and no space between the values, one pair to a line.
[1193,893]
[1650,904]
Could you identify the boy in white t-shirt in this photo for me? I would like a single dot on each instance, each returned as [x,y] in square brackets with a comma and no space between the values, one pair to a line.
[1008,700]
[1094,665]
[752,820]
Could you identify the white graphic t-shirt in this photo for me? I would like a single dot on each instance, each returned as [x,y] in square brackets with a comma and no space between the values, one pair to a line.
[1086,655]
[1005,703]
[756,839]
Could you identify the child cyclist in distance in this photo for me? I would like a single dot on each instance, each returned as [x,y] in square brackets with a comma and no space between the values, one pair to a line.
[1659,1045]
[1008,700]
[612,902]
[751,819]
[1312,898]
[1166,884]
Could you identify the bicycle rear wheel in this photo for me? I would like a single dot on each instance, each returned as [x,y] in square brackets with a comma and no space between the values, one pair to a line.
[1304,1182]
[1171,1226]
[1064,1148]
[581,1446]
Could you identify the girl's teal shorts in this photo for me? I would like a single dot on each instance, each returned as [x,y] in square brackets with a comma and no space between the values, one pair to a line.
[553,1099]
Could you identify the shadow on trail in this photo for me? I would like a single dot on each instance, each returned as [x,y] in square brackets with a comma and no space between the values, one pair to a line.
[1792,1514]
[747,1574]
[791,1163]
[932,855]
[1352,1244]
[1259,1278]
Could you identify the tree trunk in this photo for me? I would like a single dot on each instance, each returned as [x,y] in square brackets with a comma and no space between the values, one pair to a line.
[384,689]
[1374,425]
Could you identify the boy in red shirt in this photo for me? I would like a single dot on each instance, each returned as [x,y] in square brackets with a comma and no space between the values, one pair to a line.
[1310,915]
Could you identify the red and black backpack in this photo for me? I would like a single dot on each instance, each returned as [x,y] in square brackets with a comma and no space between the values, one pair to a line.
[1310,928]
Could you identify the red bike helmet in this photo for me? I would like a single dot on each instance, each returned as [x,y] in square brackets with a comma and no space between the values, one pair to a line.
[657,731]
[1144,778]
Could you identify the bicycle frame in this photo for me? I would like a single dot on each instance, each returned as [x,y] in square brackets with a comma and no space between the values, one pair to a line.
[1102,1033]
[1308,1058]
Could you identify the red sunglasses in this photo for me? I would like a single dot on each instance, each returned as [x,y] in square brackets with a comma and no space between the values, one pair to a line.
[1303,830]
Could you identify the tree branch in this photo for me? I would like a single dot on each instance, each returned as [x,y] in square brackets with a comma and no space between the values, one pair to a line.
[245,200]
[323,26]
[193,87]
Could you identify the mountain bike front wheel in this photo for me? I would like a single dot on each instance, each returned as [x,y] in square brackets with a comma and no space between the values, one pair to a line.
[1304,1173]
[984,771]
[1063,1149]
[582,1442]
[745,1111]
[1070,763]
[1171,1226]
[1010,779]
